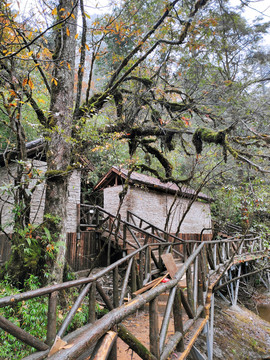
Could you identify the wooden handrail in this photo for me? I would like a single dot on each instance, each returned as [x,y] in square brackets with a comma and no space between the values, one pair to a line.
[204,259]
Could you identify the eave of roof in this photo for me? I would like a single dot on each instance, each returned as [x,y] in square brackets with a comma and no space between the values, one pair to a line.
[33,148]
[150,182]
[36,150]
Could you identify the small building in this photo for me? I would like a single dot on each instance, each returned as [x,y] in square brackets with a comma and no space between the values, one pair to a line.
[77,250]
[37,160]
[153,200]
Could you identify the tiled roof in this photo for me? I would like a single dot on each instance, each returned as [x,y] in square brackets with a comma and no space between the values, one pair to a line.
[150,182]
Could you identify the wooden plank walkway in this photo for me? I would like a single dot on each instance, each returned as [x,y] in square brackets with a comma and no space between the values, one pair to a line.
[189,293]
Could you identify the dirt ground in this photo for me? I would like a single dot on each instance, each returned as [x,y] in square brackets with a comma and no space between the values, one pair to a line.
[139,326]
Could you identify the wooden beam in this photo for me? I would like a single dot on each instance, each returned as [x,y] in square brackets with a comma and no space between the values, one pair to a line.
[22,334]
[104,345]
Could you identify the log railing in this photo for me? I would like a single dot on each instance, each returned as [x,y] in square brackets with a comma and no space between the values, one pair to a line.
[189,299]
[146,225]
[137,271]
[121,233]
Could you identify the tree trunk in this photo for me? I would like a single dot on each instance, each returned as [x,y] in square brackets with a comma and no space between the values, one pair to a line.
[60,128]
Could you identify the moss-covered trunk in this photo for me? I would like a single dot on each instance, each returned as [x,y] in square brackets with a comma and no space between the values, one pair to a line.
[60,128]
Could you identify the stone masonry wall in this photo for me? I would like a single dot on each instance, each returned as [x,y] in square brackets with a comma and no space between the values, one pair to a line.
[74,198]
[154,206]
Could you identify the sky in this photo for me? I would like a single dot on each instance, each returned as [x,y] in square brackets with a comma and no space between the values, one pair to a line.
[254,9]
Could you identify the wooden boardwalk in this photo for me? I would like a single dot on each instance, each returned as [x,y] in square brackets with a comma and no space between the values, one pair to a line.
[203,267]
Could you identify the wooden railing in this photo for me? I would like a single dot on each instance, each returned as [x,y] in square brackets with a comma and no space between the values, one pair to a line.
[139,269]
[146,225]
[123,234]
[189,297]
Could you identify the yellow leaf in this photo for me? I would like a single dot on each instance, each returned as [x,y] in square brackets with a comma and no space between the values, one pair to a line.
[54,81]
[68,64]
[62,9]
[30,83]
[41,100]
[73,16]
[12,93]
[24,82]
[87,47]
[88,16]
[68,32]
[54,12]
[30,53]
[76,36]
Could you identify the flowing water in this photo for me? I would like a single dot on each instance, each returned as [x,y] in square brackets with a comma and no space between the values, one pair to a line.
[264,311]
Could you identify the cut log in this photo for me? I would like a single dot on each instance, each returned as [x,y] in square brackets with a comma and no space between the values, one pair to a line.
[134,343]
[147,286]
[104,345]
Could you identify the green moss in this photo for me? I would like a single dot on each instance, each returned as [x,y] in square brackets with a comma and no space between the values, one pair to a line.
[56,173]
[213,137]
[144,80]
[209,136]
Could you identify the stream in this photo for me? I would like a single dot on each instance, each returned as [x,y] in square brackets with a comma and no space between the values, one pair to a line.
[264,311]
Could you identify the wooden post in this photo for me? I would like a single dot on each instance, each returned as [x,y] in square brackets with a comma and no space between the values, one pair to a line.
[125,282]
[78,215]
[141,265]
[109,251]
[124,235]
[153,327]
[133,277]
[51,319]
[115,287]
[186,305]
[149,262]
[178,319]
[104,296]
[92,304]
[190,288]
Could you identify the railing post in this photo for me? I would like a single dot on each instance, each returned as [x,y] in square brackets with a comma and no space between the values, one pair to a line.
[51,319]
[133,276]
[190,288]
[153,327]
[215,255]
[195,283]
[141,266]
[78,215]
[115,287]
[124,235]
[92,304]
[97,216]
[178,319]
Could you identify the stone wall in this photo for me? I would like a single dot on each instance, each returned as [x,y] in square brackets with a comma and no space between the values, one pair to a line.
[74,198]
[38,198]
[154,207]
